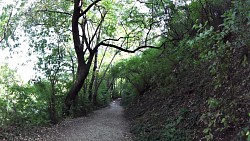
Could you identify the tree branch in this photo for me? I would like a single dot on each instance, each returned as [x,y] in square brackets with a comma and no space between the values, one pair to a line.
[126,50]
[84,37]
[103,57]
[150,28]
[116,40]
[106,70]
[87,9]
[6,27]
[140,1]
[54,11]
[98,27]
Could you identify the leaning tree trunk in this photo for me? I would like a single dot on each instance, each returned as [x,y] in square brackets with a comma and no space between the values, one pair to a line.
[83,67]
[82,74]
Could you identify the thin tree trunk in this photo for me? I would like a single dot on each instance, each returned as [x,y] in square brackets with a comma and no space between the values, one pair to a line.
[110,84]
[93,78]
[52,107]
[99,83]
[95,103]
[72,66]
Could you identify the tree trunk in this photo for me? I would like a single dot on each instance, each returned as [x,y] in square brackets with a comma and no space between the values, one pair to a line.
[109,85]
[83,67]
[95,102]
[105,72]
[93,78]
[52,107]
[72,66]
[95,81]
[82,73]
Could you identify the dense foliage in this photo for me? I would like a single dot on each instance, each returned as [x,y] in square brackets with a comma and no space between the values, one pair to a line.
[195,87]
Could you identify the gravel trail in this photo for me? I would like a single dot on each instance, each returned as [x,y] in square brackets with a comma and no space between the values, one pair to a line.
[107,124]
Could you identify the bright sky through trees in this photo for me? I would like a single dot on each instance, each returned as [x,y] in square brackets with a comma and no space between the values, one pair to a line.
[23,61]
[21,58]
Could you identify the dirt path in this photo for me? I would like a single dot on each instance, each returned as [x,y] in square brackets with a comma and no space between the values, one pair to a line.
[107,124]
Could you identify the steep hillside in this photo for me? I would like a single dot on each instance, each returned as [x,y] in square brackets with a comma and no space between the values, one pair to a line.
[196,87]
[194,109]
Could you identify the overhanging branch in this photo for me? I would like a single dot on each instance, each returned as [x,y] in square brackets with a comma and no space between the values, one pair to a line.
[54,11]
[90,6]
[126,50]
[144,2]
[98,27]
[118,39]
